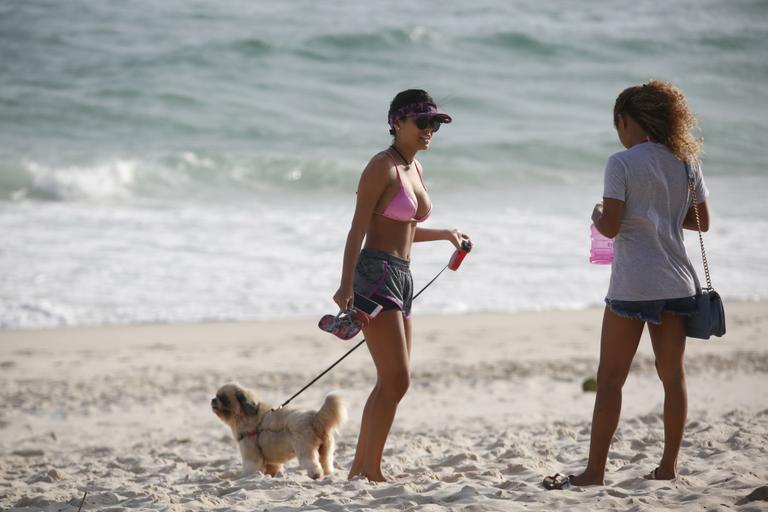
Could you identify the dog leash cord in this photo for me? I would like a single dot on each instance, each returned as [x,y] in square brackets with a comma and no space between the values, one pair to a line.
[429,283]
[326,371]
[352,349]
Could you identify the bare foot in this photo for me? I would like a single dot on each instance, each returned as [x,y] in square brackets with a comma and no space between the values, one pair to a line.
[586,479]
[371,478]
[661,473]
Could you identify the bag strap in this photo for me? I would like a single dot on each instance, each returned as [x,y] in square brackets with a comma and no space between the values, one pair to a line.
[692,187]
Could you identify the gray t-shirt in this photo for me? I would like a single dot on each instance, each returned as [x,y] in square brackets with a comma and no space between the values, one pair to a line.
[650,262]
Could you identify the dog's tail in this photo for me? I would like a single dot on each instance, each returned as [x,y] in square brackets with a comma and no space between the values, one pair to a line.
[331,415]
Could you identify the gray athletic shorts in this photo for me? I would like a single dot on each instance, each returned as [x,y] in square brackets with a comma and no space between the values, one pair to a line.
[386,279]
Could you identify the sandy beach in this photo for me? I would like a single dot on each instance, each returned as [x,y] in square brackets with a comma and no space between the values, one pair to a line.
[495,404]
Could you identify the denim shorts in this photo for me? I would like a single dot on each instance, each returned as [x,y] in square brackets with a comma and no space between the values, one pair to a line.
[385,279]
[650,310]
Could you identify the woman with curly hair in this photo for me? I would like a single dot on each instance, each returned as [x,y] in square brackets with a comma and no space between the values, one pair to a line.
[646,205]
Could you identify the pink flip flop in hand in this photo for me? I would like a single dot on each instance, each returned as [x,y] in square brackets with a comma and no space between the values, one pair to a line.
[346,324]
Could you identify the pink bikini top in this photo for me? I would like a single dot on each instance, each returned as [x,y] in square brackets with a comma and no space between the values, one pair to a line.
[403,207]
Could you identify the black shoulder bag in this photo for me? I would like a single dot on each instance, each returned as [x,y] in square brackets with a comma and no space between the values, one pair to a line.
[709,317]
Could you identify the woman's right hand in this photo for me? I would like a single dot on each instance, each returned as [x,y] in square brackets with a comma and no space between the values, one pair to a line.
[344,297]
[458,238]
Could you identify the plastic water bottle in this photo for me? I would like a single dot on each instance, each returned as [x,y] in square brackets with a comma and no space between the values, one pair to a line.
[601,251]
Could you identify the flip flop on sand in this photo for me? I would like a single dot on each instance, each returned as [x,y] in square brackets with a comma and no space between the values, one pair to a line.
[557,482]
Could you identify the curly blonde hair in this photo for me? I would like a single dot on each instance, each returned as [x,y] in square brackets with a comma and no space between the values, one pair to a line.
[661,110]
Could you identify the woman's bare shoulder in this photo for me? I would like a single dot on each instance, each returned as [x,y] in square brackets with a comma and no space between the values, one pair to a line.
[379,168]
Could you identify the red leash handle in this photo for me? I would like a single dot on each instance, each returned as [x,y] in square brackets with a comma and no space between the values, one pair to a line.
[459,254]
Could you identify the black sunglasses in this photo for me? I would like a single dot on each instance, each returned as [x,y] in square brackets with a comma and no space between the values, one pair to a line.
[423,122]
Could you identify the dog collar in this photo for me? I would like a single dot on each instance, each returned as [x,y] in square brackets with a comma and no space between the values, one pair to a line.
[243,435]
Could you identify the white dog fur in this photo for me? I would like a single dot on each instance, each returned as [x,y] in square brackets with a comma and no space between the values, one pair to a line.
[268,438]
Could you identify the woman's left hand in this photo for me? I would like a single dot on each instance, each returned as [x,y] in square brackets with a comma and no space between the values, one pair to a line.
[457,237]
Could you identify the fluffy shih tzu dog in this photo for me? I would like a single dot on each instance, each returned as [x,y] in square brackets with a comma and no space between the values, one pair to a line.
[268,438]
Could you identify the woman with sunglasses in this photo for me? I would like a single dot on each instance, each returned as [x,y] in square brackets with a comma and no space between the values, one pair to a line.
[392,201]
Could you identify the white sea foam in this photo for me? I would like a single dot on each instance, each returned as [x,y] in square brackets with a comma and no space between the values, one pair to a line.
[75,263]
[108,181]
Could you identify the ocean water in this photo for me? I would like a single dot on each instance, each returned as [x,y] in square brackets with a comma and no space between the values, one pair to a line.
[190,161]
